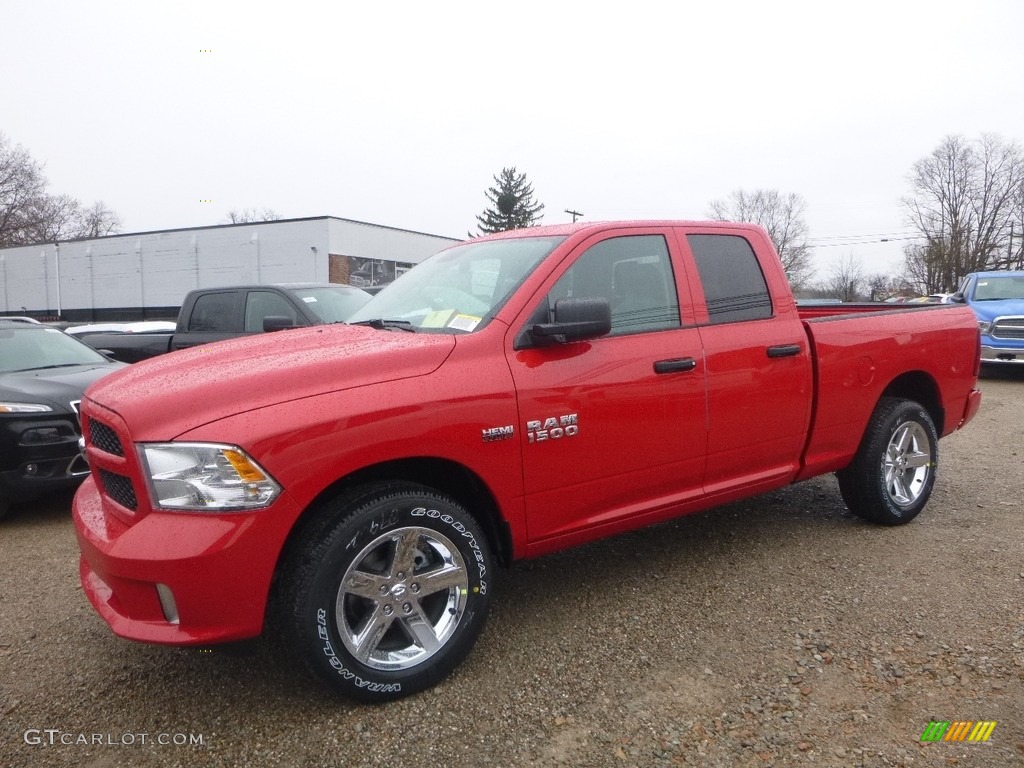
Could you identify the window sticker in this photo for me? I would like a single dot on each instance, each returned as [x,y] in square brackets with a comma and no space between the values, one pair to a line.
[982,283]
[464,322]
[437,319]
[309,299]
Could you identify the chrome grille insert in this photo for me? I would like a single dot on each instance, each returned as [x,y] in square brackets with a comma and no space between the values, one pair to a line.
[1008,328]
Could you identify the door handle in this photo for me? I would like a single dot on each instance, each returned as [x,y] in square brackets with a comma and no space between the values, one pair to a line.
[784,350]
[675,366]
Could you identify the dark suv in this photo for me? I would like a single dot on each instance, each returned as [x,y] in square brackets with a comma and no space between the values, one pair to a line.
[43,373]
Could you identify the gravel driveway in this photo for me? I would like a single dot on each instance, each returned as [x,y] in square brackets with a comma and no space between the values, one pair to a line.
[780,631]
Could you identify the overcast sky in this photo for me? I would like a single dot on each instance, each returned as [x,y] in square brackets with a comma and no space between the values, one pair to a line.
[401,113]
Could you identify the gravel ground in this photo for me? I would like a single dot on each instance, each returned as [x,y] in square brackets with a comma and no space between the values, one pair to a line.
[781,631]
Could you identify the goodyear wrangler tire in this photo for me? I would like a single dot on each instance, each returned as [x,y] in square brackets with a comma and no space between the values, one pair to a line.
[389,593]
[892,475]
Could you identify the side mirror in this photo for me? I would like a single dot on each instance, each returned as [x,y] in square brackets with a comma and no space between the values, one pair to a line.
[277,323]
[576,319]
[958,298]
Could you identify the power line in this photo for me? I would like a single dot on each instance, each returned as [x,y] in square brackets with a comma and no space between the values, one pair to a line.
[873,234]
[865,242]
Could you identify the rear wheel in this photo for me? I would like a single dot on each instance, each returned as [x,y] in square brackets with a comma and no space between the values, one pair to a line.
[389,592]
[892,475]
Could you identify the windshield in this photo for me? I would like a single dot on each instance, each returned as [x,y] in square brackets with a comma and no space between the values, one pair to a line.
[460,289]
[332,304]
[998,288]
[32,347]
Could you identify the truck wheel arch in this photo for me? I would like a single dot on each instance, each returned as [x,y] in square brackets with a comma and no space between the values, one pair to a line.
[443,475]
[922,388]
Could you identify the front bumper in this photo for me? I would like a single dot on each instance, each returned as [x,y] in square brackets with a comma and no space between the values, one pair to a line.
[1002,354]
[216,568]
[40,454]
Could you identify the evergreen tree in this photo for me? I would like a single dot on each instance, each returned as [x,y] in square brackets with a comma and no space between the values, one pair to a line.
[512,205]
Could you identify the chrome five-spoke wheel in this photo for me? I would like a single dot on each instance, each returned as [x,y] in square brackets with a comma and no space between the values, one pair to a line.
[907,463]
[892,474]
[401,598]
[386,589]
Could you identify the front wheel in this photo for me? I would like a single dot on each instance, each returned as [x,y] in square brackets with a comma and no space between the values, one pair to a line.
[892,475]
[389,594]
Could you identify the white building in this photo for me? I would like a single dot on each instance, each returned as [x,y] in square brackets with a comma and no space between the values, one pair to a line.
[145,275]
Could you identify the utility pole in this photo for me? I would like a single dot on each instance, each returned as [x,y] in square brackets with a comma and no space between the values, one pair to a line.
[575,214]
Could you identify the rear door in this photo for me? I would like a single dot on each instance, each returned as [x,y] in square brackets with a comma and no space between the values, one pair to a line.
[615,426]
[214,316]
[758,361]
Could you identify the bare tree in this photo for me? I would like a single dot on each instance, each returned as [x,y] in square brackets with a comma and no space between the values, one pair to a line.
[883,286]
[52,218]
[29,214]
[845,279]
[22,187]
[98,221]
[924,266]
[250,215]
[783,217]
[967,197]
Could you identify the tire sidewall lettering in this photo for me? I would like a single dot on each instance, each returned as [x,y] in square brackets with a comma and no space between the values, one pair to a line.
[463,533]
[360,529]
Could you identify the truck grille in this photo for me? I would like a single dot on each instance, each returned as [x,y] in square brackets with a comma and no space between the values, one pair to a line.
[119,488]
[104,438]
[1008,328]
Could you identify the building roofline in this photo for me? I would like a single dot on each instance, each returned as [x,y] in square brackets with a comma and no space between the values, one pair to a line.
[224,226]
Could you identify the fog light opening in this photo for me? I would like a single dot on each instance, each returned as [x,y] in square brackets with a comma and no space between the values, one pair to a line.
[170,608]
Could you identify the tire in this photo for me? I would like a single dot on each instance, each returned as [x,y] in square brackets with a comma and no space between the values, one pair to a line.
[892,475]
[387,591]
[5,507]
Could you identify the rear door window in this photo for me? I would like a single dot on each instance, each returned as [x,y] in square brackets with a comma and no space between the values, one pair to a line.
[216,312]
[734,285]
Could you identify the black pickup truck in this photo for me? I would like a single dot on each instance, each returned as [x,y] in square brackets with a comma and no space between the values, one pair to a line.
[215,314]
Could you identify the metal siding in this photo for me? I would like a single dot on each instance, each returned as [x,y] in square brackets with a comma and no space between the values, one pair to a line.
[157,269]
[366,241]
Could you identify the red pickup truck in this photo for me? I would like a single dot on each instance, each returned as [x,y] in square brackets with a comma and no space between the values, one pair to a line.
[355,485]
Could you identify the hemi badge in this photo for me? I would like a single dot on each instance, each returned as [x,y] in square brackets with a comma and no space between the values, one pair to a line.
[498,433]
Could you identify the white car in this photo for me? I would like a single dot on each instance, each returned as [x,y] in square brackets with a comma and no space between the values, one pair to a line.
[144,326]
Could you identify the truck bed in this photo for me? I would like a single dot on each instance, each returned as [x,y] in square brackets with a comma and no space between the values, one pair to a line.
[862,351]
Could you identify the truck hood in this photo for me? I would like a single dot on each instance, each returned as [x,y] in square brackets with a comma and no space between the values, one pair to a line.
[990,310]
[174,393]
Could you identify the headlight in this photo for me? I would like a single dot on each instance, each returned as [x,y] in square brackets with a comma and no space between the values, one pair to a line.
[24,408]
[984,327]
[205,477]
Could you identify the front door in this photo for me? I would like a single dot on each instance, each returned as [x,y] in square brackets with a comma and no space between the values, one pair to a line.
[615,426]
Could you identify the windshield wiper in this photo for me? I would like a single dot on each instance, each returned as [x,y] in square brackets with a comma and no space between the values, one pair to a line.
[387,325]
[48,367]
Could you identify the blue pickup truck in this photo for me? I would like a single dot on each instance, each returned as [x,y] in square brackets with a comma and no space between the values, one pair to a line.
[997,299]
